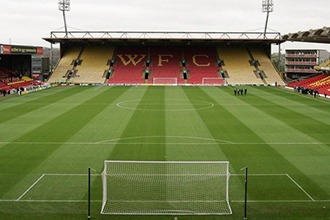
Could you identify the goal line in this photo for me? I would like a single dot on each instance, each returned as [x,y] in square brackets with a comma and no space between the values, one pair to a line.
[39,183]
[213,81]
[171,81]
[166,188]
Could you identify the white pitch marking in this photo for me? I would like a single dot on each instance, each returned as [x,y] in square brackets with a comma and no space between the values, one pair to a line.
[300,187]
[207,105]
[51,201]
[279,201]
[69,174]
[30,187]
[237,201]
[262,174]
[233,201]
[113,141]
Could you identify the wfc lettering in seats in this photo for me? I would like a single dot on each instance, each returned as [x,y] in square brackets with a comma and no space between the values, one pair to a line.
[199,60]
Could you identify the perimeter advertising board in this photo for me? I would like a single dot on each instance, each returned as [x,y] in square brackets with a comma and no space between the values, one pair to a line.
[14,49]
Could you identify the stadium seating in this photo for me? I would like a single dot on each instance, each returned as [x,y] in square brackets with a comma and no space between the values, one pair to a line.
[65,64]
[323,66]
[236,59]
[308,81]
[93,65]
[4,73]
[320,83]
[322,86]
[4,86]
[166,63]
[16,83]
[20,84]
[267,66]
[129,65]
[10,79]
[90,64]
[201,63]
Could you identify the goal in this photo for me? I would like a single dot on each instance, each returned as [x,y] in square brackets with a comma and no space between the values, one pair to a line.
[166,188]
[165,81]
[212,81]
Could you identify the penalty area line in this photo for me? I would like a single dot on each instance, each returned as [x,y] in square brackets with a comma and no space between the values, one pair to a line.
[48,201]
[100,201]
[280,201]
[300,187]
[35,183]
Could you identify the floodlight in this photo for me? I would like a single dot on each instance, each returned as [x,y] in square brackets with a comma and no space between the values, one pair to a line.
[267,6]
[64,5]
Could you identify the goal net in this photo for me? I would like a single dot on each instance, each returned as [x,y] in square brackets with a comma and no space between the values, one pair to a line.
[165,81]
[166,188]
[209,81]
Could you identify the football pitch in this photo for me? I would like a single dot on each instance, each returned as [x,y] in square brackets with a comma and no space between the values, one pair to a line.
[49,139]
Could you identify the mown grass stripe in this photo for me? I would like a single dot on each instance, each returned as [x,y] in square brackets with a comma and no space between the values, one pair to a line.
[265,195]
[267,156]
[307,106]
[305,124]
[18,161]
[262,124]
[188,138]
[30,106]
[224,126]
[146,124]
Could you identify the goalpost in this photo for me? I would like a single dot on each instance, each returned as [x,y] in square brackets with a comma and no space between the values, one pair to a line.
[166,188]
[165,81]
[212,81]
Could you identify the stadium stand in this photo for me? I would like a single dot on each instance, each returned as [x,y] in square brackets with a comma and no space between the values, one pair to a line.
[129,65]
[10,80]
[94,60]
[148,57]
[4,78]
[65,64]
[19,84]
[201,63]
[308,81]
[15,83]
[323,66]
[162,63]
[322,86]
[4,86]
[166,63]
[267,66]
[236,63]
[320,83]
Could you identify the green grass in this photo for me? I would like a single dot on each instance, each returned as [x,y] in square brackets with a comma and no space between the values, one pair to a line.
[50,138]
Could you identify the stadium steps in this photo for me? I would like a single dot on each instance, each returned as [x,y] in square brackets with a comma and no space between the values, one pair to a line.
[236,60]
[255,64]
[267,66]
[95,63]
[65,64]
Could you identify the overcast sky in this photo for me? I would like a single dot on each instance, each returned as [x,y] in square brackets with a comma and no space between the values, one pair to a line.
[25,22]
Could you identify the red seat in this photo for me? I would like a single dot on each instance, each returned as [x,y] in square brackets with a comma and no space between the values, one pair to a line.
[129,65]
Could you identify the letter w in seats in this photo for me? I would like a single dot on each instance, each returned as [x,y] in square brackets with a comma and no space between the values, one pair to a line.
[131,58]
